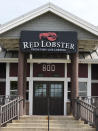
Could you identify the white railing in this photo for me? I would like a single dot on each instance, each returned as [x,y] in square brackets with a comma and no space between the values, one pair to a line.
[86,110]
[10,111]
[5,99]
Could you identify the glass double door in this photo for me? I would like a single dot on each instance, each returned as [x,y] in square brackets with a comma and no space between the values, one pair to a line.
[48,95]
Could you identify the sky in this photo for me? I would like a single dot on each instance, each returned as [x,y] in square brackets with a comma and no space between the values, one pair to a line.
[85,9]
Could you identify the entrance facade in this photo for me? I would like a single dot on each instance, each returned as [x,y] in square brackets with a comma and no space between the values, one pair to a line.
[48,55]
[48,96]
[52,77]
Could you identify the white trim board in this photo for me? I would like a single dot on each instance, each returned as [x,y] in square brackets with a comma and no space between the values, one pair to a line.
[31,90]
[94,81]
[7,79]
[15,60]
[49,7]
[89,80]
[48,79]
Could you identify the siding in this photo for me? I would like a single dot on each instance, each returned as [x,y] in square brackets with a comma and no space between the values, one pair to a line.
[50,22]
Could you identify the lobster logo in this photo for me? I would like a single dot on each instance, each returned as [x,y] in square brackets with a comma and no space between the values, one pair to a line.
[51,36]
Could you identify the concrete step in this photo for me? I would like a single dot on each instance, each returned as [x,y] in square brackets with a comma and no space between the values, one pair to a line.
[40,123]
[45,129]
[45,125]
[46,121]
[37,117]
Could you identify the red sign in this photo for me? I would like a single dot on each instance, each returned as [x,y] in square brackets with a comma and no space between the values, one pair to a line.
[51,36]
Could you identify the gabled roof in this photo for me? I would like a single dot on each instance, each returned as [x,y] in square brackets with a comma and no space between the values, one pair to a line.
[49,8]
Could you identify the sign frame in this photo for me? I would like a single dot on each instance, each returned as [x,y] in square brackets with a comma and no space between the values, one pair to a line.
[48,41]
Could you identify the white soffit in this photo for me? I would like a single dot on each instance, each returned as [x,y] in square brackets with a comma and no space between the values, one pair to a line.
[46,8]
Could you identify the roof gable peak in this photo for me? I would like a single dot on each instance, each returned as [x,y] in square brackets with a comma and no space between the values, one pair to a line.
[49,7]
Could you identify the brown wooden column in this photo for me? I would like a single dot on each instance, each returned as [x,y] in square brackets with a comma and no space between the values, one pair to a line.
[22,65]
[74,80]
[74,77]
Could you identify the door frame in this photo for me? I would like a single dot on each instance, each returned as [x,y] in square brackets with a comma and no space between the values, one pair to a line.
[63,79]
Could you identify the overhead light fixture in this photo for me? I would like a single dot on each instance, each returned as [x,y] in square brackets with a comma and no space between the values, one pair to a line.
[1,49]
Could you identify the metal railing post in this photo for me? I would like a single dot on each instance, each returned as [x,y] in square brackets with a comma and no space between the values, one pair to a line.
[18,109]
[48,112]
[96,118]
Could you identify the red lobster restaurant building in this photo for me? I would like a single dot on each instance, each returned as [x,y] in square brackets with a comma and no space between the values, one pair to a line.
[48,53]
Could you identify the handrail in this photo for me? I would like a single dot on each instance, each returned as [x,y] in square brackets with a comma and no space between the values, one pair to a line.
[10,111]
[6,98]
[86,111]
[93,100]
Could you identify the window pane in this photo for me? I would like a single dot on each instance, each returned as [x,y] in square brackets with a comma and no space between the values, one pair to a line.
[27,95]
[14,89]
[69,86]
[82,93]
[83,86]
[69,95]
[56,90]
[40,90]
[52,86]
[14,92]
[13,85]
[82,89]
